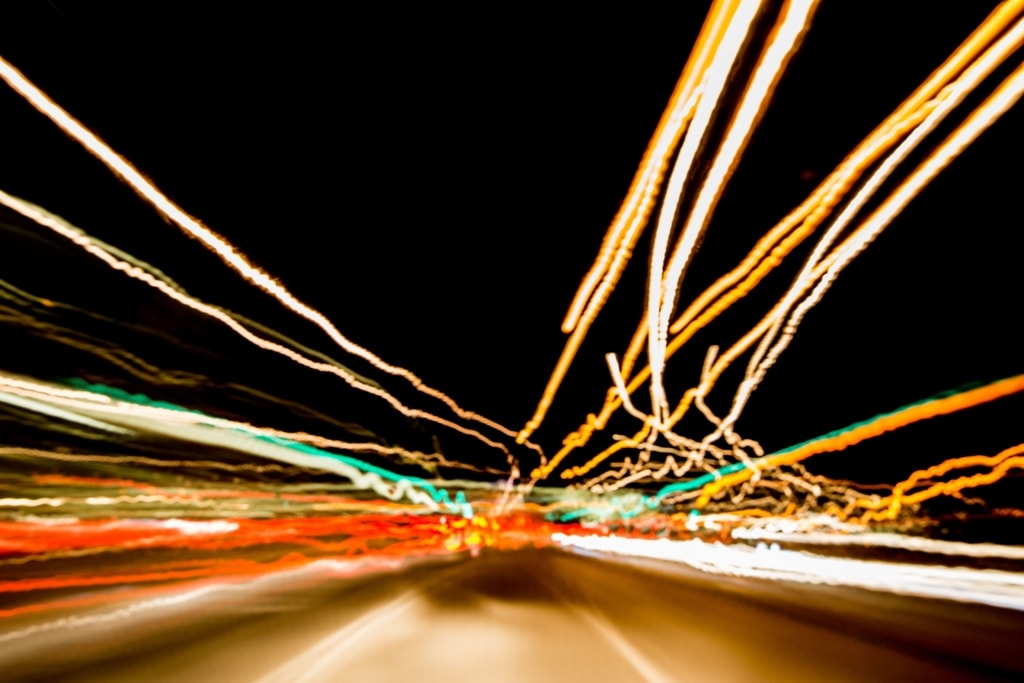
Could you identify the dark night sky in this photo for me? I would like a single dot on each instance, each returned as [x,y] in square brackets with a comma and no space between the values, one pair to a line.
[437,186]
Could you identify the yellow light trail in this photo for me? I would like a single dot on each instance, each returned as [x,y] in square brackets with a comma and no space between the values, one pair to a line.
[1004,97]
[975,58]
[693,109]
[663,285]
[887,508]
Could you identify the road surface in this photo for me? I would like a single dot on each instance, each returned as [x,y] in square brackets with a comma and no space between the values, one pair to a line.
[528,616]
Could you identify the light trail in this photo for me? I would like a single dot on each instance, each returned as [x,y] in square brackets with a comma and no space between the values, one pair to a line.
[694,104]
[145,602]
[712,90]
[664,282]
[196,427]
[985,115]
[793,531]
[729,26]
[779,241]
[712,483]
[998,37]
[698,491]
[138,271]
[215,243]
[113,503]
[632,218]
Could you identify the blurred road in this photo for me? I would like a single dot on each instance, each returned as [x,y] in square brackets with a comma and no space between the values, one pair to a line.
[530,616]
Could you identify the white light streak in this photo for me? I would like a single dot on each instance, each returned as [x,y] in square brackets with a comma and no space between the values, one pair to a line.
[997,588]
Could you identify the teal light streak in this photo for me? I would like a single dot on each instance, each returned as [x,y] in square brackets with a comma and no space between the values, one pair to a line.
[460,504]
[441,496]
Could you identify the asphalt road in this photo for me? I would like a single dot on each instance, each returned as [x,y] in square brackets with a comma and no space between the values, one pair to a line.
[528,616]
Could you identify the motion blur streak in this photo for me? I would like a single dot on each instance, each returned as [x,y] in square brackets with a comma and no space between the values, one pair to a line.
[999,589]
[531,615]
[663,285]
[246,438]
[979,55]
[139,271]
[316,663]
[214,242]
[875,427]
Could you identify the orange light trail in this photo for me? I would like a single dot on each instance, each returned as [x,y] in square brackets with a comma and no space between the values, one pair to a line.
[1005,96]
[632,218]
[887,423]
